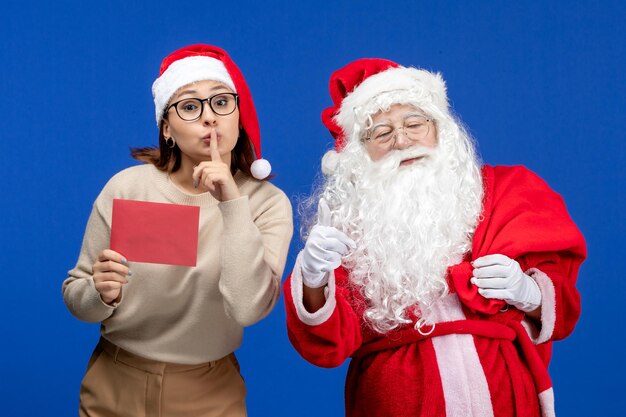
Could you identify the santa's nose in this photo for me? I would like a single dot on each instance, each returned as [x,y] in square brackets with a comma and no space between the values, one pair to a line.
[401,140]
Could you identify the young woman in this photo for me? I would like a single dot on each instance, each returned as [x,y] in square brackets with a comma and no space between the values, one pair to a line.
[168,332]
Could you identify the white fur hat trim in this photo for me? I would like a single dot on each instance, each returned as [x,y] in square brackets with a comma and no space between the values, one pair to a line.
[405,85]
[186,71]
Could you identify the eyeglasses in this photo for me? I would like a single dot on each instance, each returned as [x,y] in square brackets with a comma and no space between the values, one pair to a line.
[415,128]
[190,109]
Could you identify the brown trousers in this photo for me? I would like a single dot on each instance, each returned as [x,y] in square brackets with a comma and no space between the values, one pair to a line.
[120,384]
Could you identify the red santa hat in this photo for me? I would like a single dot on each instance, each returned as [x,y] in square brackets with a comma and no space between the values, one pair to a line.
[368,85]
[205,62]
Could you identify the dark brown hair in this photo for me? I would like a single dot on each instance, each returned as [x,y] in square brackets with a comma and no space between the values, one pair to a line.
[168,159]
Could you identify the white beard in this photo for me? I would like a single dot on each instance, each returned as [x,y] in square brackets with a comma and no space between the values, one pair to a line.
[409,223]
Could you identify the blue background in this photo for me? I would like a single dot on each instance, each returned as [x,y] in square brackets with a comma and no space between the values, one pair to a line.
[538,83]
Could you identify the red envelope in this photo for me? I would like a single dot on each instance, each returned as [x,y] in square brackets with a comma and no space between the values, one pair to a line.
[155,232]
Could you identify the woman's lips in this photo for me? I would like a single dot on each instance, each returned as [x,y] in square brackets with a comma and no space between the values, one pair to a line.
[212,133]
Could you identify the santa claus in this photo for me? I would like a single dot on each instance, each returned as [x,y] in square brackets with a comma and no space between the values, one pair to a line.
[445,281]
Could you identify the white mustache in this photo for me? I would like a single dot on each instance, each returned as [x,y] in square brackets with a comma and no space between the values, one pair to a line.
[416,152]
[392,161]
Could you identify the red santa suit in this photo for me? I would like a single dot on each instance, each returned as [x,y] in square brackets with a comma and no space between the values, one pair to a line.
[480,358]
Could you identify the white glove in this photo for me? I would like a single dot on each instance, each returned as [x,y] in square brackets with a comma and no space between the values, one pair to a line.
[498,276]
[323,250]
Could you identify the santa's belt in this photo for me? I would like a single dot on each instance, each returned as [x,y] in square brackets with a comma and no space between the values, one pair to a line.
[493,330]
[489,329]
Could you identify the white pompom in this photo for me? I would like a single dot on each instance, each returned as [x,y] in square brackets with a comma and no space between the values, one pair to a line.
[330,162]
[260,169]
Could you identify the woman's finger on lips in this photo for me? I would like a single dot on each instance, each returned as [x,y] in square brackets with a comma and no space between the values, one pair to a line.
[215,153]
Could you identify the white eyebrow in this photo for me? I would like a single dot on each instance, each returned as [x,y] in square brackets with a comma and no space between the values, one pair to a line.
[406,116]
[381,124]
[414,114]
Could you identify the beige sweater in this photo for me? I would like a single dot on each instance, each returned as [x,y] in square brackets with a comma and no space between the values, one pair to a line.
[182,314]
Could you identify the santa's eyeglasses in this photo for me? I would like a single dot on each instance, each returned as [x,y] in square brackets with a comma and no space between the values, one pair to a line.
[415,128]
